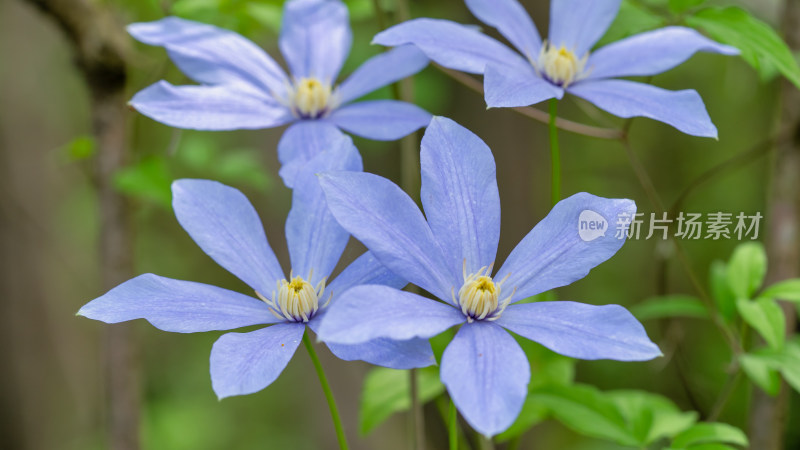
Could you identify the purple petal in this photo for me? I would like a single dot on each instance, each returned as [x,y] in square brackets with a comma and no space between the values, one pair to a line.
[304,140]
[366,269]
[177,306]
[225,225]
[651,53]
[379,214]
[507,88]
[367,312]
[486,374]
[683,110]
[459,194]
[555,254]
[382,70]
[211,108]
[315,238]
[315,38]
[211,55]
[381,120]
[579,24]
[244,363]
[411,354]
[451,44]
[511,20]
[581,331]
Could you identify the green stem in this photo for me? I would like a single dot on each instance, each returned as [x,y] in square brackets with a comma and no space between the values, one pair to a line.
[453,426]
[555,155]
[337,422]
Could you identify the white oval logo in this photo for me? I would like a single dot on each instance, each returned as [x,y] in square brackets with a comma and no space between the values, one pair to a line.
[591,225]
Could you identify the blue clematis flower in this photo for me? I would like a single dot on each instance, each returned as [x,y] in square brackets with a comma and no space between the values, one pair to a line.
[451,255]
[539,70]
[225,225]
[241,87]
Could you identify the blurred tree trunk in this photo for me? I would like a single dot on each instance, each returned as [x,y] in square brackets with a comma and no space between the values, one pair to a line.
[99,44]
[768,414]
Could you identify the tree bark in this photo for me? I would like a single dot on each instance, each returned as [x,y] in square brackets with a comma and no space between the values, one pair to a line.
[100,50]
[768,414]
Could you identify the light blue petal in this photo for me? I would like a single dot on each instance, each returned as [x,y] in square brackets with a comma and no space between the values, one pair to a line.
[555,254]
[177,306]
[581,331]
[381,120]
[507,88]
[683,110]
[244,363]
[211,55]
[379,214]
[225,225]
[511,20]
[382,70]
[368,312]
[315,239]
[411,354]
[487,375]
[211,108]
[651,53]
[366,269]
[579,24]
[302,141]
[315,38]
[451,44]
[459,194]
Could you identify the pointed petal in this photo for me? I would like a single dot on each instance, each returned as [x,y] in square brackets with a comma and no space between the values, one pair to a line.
[411,354]
[304,140]
[683,110]
[579,24]
[459,194]
[379,214]
[315,239]
[366,269]
[367,312]
[382,70]
[381,120]
[177,306]
[511,20]
[506,88]
[581,331]
[225,225]
[651,53]
[451,44]
[487,375]
[211,108]
[554,254]
[212,55]
[244,363]
[315,38]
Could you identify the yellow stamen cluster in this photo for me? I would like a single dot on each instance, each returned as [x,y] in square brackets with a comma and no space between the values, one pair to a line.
[295,300]
[479,296]
[311,98]
[560,65]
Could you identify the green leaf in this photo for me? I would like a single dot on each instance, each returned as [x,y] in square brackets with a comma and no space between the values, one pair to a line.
[710,433]
[721,291]
[652,417]
[680,6]
[760,45]
[760,373]
[784,290]
[785,360]
[746,269]
[386,391]
[766,317]
[631,19]
[677,305]
[148,179]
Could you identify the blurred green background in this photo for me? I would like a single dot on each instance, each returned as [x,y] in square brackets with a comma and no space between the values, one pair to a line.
[52,389]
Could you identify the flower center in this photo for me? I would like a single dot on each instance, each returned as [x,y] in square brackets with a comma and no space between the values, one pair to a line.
[479,296]
[310,98]
[559,65]
[295,300]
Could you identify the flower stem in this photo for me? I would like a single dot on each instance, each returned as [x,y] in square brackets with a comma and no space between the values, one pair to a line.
[452,426]
[555,155]
[337,422]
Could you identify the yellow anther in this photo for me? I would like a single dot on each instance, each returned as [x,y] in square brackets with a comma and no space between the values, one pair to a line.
[311,98]
[560,65]
[479,296]
[295,299]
